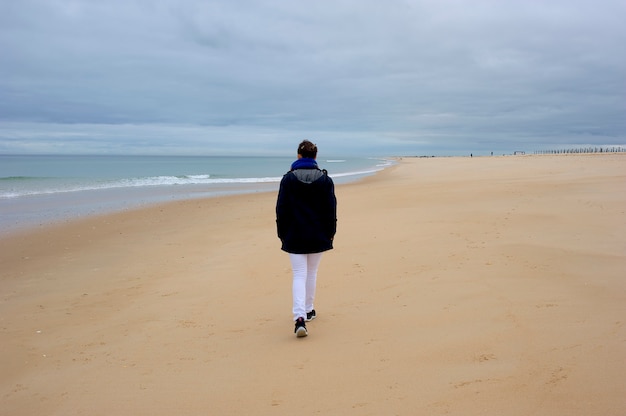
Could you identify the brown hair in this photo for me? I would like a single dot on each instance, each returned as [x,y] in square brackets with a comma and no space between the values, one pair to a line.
[307,149]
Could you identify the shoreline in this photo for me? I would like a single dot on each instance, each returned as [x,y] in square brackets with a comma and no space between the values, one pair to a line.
[474,286]
[41,209]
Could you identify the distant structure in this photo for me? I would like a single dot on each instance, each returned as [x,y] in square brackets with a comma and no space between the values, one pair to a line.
[607,149]
[519,152]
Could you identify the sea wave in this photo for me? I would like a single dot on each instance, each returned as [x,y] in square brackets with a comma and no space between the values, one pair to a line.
[152,181]
[358,173]
[16,187]
[17,178]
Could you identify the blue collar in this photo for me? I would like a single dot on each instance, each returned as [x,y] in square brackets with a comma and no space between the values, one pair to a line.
[304,163]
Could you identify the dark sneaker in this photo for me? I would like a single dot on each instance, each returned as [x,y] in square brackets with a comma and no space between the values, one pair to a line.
[310,315]
[301,328]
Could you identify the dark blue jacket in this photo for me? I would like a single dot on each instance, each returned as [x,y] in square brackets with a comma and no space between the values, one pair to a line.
[306,210]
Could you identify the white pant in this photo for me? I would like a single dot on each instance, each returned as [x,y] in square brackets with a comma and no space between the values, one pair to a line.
[304,267]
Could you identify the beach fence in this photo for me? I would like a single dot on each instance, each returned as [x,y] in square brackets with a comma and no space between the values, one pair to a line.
[606,149]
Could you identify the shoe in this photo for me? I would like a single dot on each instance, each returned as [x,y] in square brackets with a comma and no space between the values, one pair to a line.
[310,315]
[301,328]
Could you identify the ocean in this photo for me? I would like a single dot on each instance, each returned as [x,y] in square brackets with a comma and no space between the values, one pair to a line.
[37,189]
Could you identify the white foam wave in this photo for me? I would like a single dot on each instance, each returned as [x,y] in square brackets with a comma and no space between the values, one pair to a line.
[164,181]
[137,183]
[356,173]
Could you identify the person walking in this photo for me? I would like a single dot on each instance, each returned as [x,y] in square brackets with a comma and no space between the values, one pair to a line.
[306,221]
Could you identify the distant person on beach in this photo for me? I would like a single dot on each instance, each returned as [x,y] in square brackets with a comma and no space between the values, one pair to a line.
[306,220]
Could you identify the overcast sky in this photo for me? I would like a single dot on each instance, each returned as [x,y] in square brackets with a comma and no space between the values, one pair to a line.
[355,76]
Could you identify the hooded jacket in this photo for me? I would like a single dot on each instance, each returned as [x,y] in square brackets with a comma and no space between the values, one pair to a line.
[306,209]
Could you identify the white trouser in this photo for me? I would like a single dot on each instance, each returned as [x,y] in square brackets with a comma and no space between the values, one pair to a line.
[304,267]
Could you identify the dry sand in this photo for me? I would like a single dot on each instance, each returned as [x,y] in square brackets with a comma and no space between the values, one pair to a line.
[463,286]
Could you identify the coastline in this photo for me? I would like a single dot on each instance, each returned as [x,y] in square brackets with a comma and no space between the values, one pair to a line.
[41,190]
[471,286]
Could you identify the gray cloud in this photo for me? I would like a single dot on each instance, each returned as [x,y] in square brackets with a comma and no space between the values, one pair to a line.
[382,77]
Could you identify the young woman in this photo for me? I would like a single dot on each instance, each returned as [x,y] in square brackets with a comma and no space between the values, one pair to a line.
[306,219]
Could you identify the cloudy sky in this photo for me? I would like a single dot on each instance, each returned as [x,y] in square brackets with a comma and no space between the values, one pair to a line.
[356,76]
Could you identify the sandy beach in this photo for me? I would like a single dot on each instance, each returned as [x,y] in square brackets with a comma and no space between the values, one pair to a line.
[458,286]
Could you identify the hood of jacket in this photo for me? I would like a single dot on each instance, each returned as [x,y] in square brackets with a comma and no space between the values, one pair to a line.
[306,170]
[308,175]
